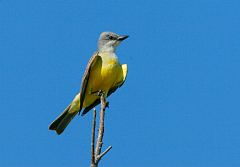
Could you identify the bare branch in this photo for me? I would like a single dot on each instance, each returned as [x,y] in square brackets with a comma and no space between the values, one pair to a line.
[93,137]
[96,153]
[101,126]
[103,153]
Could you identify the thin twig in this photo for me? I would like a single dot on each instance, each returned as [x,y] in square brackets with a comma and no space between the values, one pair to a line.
[93,137]
[101,126]
[103,153]
[96,154]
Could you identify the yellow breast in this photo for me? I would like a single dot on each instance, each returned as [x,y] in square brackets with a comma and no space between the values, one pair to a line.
[104,75]
[109,72]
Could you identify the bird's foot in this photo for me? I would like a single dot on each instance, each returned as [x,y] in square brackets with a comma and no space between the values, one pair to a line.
[98,93]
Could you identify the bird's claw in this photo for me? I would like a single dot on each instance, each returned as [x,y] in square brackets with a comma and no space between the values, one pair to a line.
[100,93]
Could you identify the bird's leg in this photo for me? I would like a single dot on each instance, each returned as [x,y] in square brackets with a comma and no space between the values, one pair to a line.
[97,93]
[100,93]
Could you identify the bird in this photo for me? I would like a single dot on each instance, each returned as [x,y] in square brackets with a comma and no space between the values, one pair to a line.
[103,73]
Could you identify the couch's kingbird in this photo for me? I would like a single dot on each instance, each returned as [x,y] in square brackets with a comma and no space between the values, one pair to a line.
[103,73]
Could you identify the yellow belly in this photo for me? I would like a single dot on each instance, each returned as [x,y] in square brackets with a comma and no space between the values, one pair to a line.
[103,76]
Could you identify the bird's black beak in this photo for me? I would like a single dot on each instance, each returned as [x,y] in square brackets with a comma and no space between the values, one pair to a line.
[122,37]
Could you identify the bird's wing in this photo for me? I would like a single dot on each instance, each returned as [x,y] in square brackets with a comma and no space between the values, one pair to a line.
[124,70]
[112,90]
[95,103]
[94,59]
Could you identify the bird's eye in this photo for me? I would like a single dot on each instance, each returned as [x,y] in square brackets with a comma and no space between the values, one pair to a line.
[111,37]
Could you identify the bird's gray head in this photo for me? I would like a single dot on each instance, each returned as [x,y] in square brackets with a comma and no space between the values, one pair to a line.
[108,41]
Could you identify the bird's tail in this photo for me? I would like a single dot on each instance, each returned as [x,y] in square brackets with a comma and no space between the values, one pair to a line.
[62,121]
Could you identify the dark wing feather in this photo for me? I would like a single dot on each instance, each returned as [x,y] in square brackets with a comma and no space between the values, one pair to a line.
[95,103]
[112,90]
[85,78]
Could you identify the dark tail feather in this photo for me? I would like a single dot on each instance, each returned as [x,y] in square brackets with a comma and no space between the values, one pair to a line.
[62,121]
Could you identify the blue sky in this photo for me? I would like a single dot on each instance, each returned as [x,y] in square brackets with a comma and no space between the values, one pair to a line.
[178,108]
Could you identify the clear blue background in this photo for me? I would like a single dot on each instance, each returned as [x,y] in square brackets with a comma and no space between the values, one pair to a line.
[178,108]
